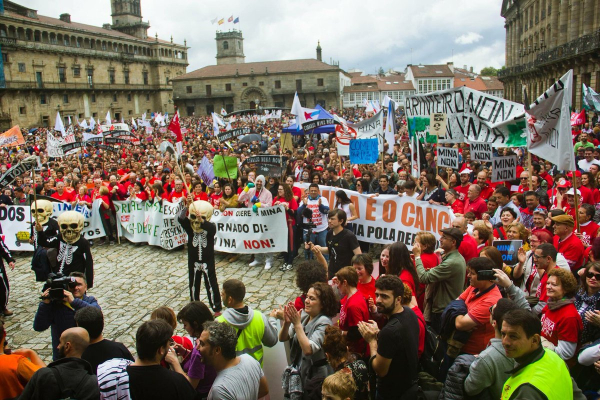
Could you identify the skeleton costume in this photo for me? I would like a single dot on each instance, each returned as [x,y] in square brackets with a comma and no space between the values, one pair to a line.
[4,287]
[43,259]
[201,252]
[74,253]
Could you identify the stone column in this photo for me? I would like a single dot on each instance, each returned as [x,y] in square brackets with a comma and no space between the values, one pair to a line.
[589,9]
[575,25]
[555,9]
[564,12]
[507,31]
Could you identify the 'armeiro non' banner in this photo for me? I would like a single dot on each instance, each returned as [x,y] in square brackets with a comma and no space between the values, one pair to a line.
[391,218]
[238,230]
[473,116]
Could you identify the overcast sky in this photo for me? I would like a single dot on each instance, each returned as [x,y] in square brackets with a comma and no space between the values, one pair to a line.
[355,33]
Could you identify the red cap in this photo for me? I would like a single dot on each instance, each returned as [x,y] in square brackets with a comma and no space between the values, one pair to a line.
[577,174]
[563,183]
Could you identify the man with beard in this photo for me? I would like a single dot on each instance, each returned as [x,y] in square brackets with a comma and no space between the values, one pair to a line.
[69,376]
[394,349]
[463,188]
[60,315]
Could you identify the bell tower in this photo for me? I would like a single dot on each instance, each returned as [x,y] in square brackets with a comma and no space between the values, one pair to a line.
[230,47]
[127,18]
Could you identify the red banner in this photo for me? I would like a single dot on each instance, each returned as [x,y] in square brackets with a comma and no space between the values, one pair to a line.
[12,137]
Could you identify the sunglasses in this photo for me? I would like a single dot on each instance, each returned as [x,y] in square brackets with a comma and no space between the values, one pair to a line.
[591,275]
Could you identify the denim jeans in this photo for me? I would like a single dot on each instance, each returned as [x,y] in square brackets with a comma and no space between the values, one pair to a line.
[317,238]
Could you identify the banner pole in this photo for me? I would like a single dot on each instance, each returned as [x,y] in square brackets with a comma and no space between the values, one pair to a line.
[530,171]
[576,200]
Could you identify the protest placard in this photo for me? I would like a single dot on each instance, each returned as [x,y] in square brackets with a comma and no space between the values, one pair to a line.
[437,124]
[233,134]
[205,170]
[70,148]
[286,141]
[316,123]
[366,129]
[509,250]
[225,167]
[504,168]
[481,152]
[447,157]
[364,151]
[112,140]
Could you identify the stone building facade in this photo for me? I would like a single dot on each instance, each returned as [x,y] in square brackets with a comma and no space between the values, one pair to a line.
[81,70]
[232,84]
[546,38]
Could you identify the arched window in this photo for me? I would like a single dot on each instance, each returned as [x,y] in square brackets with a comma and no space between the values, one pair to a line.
[225,45]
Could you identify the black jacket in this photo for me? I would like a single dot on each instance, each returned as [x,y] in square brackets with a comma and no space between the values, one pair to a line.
[76,374]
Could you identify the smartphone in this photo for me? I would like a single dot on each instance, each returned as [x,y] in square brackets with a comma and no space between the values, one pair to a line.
[486,275]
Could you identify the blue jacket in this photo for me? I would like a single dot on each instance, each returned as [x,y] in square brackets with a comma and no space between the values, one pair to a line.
[59,317]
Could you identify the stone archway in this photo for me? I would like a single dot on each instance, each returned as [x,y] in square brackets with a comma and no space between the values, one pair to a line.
[250,96]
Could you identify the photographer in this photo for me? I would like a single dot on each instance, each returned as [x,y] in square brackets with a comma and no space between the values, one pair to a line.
[313,210]
[58,312]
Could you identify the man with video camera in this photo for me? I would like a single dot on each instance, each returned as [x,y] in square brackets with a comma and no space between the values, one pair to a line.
[61,298]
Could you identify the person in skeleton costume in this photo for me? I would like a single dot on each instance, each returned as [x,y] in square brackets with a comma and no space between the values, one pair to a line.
[43,259]
[4,287]
[73,250]
[195,220]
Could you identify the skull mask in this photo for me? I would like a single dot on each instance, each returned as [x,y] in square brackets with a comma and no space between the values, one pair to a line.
[71,225]
[42,210]
[204,209]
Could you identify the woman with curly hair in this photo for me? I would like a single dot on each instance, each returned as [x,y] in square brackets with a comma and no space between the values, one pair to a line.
[306,332]
[307,274]
[561,323]
[517,231]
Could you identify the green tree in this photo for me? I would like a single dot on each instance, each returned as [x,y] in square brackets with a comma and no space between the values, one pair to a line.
[489,71]
[381,71]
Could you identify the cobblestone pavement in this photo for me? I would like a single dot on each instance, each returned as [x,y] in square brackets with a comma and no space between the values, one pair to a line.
[133,280]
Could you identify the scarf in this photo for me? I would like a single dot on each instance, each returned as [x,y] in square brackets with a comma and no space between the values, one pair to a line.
[583,303]
[555,305]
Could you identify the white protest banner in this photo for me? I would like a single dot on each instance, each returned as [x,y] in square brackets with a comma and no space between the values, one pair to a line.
[241,230]
[504,168]
[549,125]
[92,225]
[389,218]
[238,230]
[447,157]
[367,129]
[152,223]
[53,145]
[473,116]
[481,152]
[437,124]
[16,225]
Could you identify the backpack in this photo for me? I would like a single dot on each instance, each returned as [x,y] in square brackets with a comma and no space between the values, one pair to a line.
[66,394]
[433,352]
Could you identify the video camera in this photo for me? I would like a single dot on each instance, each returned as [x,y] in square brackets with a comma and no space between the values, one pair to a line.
[57,283]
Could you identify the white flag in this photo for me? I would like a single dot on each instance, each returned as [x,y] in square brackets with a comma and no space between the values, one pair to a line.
[83,124]
[69,117]
[92,123]
[108,120]
[390,127]
[143,116]
[549,125]
[133,123]
[297,110]
[223,111]
[58,124]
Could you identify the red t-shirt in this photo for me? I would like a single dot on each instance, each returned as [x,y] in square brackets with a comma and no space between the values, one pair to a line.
[589,232]
[214,199]
[177,195]
[422,330]
[66,196]
[462,191]
[486,192]
[367,289]
[406,277]
[572,249]
[477,207]
[458,207]
[478,309]
[200,196]
[353,311]
[468,247]
[563,324]
[105,199]
[540,292]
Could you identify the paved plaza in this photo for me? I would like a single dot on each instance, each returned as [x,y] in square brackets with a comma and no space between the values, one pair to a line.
[131,281]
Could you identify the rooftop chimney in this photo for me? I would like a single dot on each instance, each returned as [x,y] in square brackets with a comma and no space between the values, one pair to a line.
[471,69]
[319,56]
[65,17]
[105,26]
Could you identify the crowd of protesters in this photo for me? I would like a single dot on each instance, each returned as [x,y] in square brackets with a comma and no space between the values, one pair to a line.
[448,319]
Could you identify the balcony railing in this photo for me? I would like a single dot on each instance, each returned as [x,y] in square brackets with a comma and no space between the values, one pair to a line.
[7,41]
[83,86]
[580,46]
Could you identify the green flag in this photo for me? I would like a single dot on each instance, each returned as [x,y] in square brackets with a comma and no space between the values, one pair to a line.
[225,167]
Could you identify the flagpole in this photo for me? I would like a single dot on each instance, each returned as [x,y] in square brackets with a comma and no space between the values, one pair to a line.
[576,200]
